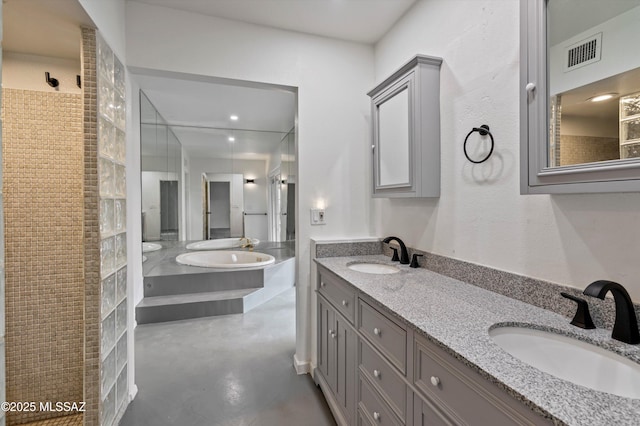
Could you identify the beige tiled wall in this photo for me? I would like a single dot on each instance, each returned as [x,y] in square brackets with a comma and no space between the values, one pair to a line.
[42,186]
[587,149]
[91,230]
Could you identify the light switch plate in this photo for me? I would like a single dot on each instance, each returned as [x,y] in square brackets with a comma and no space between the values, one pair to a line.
[317,217]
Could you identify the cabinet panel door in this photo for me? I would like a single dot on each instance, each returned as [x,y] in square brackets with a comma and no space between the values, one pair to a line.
[339,294]
[326,343]
[346,366]
[384,334]
[462,393]
[425,414]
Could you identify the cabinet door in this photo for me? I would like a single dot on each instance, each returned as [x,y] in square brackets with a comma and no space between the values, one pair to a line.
[425,414]
[326,342]
[346,366]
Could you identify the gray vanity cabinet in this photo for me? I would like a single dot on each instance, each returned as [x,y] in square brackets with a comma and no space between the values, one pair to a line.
[453,393]
[337,348]
[405,111]
[374,369]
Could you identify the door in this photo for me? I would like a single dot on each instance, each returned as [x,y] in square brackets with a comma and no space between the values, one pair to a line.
[220,210]
[205,208]
[275,195]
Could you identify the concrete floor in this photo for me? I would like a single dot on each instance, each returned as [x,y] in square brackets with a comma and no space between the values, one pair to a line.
[226,370]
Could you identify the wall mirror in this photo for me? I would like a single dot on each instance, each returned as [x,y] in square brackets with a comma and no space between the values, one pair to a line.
[580,101]
[161,167]
[218,160]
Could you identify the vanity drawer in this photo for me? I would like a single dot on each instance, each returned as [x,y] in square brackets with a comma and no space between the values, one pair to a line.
[339,294]
[461,393]
[384,378]
[385,335]
[373,408]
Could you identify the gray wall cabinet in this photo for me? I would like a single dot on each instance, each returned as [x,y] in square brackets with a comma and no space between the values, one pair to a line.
[405,110]
[374,369]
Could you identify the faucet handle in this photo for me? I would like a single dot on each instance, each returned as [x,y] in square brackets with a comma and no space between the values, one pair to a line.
[395,257]
[582,318]
[414,260]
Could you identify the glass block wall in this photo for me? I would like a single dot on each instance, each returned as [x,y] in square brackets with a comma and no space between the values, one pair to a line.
[113,238]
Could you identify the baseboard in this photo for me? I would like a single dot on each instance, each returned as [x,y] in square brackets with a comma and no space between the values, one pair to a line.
[302,367]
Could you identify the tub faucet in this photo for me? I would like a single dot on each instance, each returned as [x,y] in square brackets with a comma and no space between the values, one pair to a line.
[625,327]
[404,255]
[246,243]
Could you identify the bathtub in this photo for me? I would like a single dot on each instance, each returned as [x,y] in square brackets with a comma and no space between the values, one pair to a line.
[225,259]
[147,247]
[222,243]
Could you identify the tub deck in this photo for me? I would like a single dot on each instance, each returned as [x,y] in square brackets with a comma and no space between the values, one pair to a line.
[174,292]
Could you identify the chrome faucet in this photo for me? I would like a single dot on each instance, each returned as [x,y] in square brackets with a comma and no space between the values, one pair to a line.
[625,327]
[404,255]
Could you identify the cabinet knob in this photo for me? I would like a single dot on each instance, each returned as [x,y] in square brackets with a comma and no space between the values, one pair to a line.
[530,87]
[333,335]
[376,416]
[377,331]
[345,303]
[330,332]
[322,284]
[435,381]
[377,373]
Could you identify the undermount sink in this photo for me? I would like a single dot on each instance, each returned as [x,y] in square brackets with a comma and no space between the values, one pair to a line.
[570,359]
[373,268]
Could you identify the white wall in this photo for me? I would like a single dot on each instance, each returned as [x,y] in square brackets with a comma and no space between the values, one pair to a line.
[620,40]
[589,126]
[481,216]
[26,72]
[109,17]
[332,78]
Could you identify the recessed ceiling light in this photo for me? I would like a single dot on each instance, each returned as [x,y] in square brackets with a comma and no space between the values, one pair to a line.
[604,97]
[233,117]
[232,139]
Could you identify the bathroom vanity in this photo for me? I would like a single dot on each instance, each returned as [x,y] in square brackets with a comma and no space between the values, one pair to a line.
[413,348]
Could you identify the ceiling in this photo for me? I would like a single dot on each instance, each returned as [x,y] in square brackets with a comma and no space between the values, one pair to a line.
[364,21]
[571,17]
[198,111]
[43,27]
[570,21]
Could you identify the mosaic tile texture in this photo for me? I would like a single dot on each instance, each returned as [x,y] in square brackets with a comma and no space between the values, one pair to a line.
[92,305]
[43,208]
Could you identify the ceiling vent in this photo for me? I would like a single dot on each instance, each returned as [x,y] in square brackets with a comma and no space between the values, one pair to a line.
[583,53]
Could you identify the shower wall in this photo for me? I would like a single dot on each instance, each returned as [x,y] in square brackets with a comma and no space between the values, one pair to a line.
[42,154]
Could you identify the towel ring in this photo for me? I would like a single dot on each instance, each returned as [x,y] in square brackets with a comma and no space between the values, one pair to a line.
[483,130]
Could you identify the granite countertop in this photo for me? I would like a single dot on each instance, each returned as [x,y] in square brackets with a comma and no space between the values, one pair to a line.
[458,316]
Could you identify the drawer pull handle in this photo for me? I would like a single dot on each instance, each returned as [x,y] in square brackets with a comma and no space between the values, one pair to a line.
[435,381]
[345,303]
[376,416]
[377,331]
[377,373]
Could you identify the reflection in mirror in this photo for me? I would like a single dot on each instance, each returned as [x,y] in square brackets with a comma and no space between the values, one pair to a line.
[288,187]
[594,81]
[161,159]
[393,140]
[224,165]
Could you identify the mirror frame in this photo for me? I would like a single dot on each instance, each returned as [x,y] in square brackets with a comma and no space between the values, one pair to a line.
[535,175]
